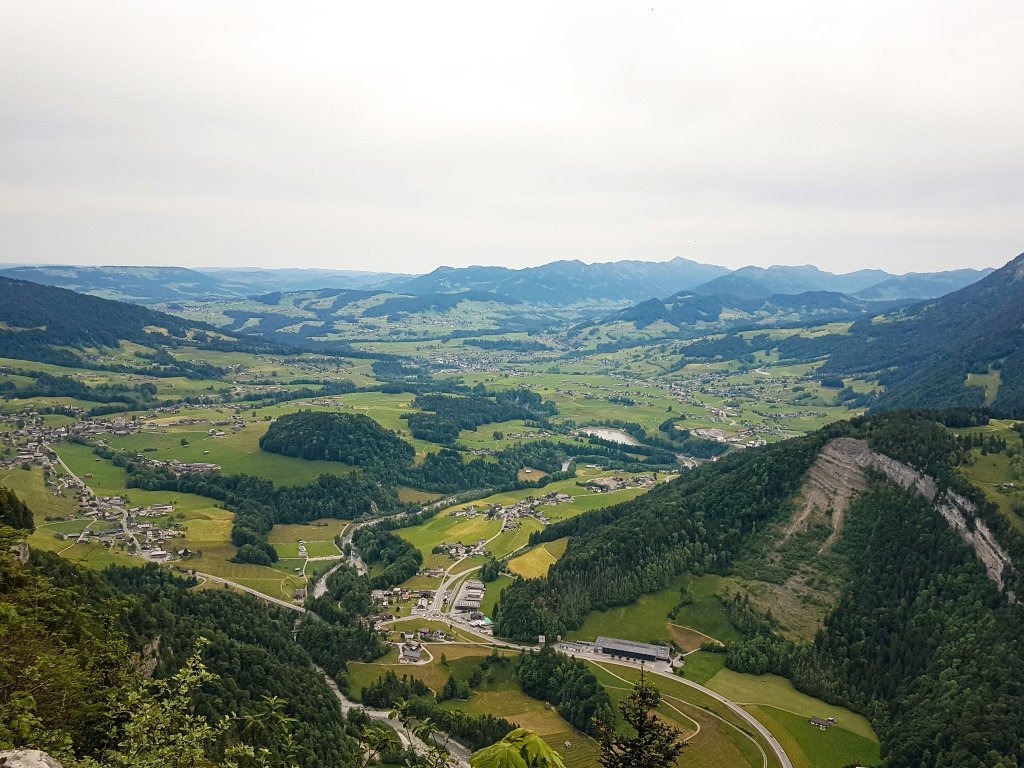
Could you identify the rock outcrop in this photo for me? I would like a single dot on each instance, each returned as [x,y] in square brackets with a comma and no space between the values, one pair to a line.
[27,758]
[832,481]
[960,513]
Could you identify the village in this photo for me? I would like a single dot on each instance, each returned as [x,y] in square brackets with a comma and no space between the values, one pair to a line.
[530,507]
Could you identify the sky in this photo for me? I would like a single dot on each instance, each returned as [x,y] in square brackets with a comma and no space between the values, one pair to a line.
[400,136]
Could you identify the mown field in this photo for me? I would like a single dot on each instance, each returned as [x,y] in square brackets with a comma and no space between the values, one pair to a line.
[994,472]
[536,562]
[647,620]
[236,453]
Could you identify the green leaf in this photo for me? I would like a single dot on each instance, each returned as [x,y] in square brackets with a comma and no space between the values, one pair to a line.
[500,755]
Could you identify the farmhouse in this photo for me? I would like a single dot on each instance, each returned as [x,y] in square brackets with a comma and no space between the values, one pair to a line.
[611,646]
[411,652]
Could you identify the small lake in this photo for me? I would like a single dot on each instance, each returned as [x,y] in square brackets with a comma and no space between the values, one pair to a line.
[614,435]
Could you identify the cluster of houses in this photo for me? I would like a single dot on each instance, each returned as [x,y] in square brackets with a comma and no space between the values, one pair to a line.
[530,507]
[32,436]
[388,597]
[457,550]
[410,650]
[425,635]
[179,467]
[153,539]
[620,481]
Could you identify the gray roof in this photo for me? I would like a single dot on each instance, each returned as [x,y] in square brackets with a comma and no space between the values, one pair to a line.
[629,646]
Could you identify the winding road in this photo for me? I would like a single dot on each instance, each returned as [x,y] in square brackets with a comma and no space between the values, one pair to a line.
[456,749]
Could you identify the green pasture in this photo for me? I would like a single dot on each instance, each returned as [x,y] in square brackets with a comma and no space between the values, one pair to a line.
[536,562]
[235,453]
[779,692]
[809,747]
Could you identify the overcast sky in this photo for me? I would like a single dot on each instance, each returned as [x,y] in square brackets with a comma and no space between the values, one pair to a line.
[400,136]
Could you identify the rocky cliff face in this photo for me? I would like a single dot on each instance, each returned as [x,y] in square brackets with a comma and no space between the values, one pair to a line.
[959,512]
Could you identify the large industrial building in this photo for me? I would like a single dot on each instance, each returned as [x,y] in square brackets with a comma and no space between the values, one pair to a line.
[611,646]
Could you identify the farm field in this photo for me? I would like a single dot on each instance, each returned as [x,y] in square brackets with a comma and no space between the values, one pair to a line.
[483,436]
[508,701]
[514,540]
[701,666]
[207,527]
[318,535]
[647,619]
[433,673]
[492,594]
[644,621]
[414,623]
[810,747]
[448,527]
[783,397]
[775,691]
[501,698]
[236,453]
[990,471]
[536,562]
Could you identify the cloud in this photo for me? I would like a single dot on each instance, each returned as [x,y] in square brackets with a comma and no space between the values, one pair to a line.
[404,135]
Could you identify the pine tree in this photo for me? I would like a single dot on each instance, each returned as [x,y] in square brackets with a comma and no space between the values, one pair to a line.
[655,745]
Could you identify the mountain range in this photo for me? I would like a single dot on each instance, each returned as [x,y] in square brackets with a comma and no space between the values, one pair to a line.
[557,284]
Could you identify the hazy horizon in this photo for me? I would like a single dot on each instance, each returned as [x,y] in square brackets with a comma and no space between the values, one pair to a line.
[403,137]
[215,267]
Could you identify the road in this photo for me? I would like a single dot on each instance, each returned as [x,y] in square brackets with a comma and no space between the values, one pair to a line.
[749,719]
[251,591]
[66,467]
[455,749]
[448,579]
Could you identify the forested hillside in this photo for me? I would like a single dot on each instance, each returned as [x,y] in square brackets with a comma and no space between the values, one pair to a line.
[927,353]
[13,511]
[444,416]
[922,642]
[695,314]
[696,523]
[351,438]
[921,639]
[74,644]
[52,325]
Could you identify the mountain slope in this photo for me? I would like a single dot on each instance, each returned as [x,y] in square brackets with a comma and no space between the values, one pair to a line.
[785,279]
[55,325]
[689,315]
[30,311]
[964,349]
[922,285]
[141,284]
